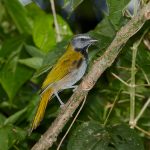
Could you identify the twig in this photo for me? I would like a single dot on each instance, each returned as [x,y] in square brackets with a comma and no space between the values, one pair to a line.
[98,67]
[113,105]
[117,77]
[142,130]
[146,78]
[71,124]
[58,37]
[142,111]
[136,94]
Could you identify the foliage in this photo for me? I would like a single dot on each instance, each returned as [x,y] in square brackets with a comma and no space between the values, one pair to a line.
[28,49]
[91,135]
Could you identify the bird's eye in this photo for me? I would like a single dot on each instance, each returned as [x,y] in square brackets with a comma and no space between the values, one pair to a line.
[82,39]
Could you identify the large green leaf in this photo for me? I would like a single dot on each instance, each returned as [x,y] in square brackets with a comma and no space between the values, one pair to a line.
[92,136]
[19,15]
[43,32]
[12,74]
[115,11]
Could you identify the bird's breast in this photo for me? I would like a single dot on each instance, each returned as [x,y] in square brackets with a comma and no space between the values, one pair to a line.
[73,77]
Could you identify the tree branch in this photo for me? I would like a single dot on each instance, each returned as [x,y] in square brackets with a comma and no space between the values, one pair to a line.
[98,67]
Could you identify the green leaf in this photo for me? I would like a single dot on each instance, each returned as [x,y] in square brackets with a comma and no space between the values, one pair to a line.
[13,118]
[13,77]
[93,136]
[64,27]
[34,62]
[43,32]
[9,135]
[115,11]
[105,28]
[34,51]
[19,15]
[45,37]
[104,33]
[73,4]
[88,136]
[12,74]
[124,137]
[11,45]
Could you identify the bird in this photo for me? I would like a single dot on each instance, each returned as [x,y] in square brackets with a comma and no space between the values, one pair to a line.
[68,70]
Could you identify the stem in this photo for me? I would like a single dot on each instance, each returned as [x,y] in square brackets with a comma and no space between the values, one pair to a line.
[133,86]
[58,37]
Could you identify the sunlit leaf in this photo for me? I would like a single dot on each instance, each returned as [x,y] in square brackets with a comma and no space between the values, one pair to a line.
[45,37]
[64,27]
[43,32]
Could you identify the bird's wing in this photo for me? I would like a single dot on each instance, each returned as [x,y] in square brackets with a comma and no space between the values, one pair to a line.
[68,62]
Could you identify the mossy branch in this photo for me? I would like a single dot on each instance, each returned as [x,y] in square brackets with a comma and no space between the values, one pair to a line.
[98,67]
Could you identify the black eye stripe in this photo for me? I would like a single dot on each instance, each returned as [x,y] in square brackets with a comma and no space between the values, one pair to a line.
[82,39]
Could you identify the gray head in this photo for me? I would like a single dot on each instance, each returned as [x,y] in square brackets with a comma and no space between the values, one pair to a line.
[81,42]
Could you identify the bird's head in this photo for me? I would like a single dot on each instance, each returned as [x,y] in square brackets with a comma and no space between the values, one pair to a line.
[81,43]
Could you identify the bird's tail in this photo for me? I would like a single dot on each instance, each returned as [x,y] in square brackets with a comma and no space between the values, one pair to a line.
[41,108]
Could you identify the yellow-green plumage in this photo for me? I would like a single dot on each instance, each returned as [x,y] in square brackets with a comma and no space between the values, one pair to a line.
[64,65]
[41,108]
